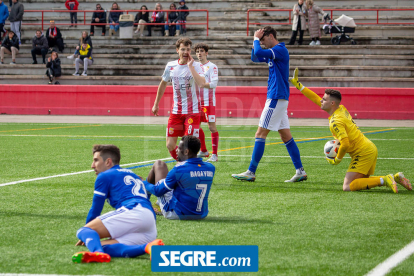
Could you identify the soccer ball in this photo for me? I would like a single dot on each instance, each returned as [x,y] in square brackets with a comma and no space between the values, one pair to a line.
[331,148]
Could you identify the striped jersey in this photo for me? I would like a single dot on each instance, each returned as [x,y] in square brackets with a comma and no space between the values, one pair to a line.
[186,91]
[208,95]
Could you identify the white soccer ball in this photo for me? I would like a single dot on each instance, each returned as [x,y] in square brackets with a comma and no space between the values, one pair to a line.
[331,148]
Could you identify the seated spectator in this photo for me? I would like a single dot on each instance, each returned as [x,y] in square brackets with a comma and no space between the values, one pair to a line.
[157,17]
[54,37]
[172,18]
[141,18]
[85,38]
[72,5]
[10,45]
[182,17]
[114,15]
[85,57]
[98,16]
[39,46]
[53,67]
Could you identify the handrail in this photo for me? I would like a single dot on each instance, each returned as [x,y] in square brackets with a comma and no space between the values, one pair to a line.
[127,12]
[331,10]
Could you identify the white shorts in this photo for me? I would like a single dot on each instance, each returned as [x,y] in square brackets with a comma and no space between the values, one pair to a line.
[274,116]
[163,201]
[131,227]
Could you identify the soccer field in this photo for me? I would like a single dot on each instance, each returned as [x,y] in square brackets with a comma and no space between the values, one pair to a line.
[307,228]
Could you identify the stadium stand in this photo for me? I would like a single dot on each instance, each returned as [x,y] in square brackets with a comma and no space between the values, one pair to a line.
[383,57]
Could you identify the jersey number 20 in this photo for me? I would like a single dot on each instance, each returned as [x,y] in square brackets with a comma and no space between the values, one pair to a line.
[139,187]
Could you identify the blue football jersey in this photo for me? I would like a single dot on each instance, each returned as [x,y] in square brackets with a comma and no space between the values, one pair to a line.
[191,183]
[277,58]
[122,188]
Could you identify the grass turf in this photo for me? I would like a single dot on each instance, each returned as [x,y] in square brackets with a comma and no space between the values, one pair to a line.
[308,228]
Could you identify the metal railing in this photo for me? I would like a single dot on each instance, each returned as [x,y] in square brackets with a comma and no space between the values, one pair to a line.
[125,11]
[332,11]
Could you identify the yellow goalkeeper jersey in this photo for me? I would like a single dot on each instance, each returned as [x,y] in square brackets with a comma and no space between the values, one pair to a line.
[342,125]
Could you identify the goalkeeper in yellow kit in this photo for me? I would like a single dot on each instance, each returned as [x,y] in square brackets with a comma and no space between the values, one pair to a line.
[362,151]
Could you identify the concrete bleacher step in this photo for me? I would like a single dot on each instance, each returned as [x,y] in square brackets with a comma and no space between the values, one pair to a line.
[345,3]
[224,70]
[237,59]
[223,81]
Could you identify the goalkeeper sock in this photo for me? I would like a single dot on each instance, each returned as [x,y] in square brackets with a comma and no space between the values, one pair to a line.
[258,151]
[365,183]
[214,141]
[91,239]
[294,153]
[202,138]
[173,153]
[124,251]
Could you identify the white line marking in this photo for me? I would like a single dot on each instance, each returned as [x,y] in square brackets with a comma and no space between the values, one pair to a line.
[287,156]
[75,173]
[21,274]
[386,266]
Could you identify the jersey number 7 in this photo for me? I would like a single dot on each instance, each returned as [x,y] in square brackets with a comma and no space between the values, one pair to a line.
[203,188]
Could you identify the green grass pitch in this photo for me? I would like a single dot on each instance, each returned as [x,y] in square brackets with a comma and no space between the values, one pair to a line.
[307,228]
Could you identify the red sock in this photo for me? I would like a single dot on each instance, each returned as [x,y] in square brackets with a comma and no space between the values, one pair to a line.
[214,141]
[173,153]
[202,138]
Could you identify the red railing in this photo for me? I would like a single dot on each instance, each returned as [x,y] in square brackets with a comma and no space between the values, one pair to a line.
[125,11]
[331,10]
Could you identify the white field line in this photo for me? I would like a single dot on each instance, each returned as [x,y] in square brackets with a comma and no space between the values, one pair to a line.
[74,173]
[162,137]
[22,274]
[287,156]
[386,266]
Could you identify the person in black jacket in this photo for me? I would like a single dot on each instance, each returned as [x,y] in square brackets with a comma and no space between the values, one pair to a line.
[53,67]
[39,46]
[157,17]
[98,16]
[10,45]
[54,37]
[113,17]
[172,18]
[141,18]
[182,18]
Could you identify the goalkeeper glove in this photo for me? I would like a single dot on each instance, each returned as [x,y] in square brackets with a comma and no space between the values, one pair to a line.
[333,161]
[295,80]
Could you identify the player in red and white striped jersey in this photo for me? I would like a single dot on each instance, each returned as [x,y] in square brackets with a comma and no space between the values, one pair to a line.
[208,101]
[187,76]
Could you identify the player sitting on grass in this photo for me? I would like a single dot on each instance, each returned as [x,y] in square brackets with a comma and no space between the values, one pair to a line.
[131,227]
[362,151]
[183,192]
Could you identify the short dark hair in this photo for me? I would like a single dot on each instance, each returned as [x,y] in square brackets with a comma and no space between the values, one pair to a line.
[334,94]
[201,45]
[191,143]
[269,30]
[108,151]
[185,40]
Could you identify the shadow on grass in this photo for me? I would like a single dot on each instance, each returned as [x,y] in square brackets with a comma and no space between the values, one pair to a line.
[236,220]
[50,216]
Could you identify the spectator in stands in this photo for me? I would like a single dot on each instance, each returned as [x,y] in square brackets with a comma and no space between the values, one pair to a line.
[114,15]
[16,18]
[85,57]
[10,45]
[141,18]
[4,14]
[182,18]
[98,16]
[172,18]
[53,67]
[312,12]
[39,46]
[73,5]
[157,17]
[85,38]
[299,22]
[54,37]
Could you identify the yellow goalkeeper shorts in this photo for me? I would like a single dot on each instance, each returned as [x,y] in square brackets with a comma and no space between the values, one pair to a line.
[365,161]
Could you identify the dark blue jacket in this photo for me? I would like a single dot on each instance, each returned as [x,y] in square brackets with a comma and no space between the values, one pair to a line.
[114,16]
[8,43]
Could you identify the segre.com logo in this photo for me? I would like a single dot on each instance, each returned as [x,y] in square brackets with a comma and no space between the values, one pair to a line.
[205,258]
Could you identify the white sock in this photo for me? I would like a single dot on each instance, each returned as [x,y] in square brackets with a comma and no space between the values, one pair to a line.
[382,181]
